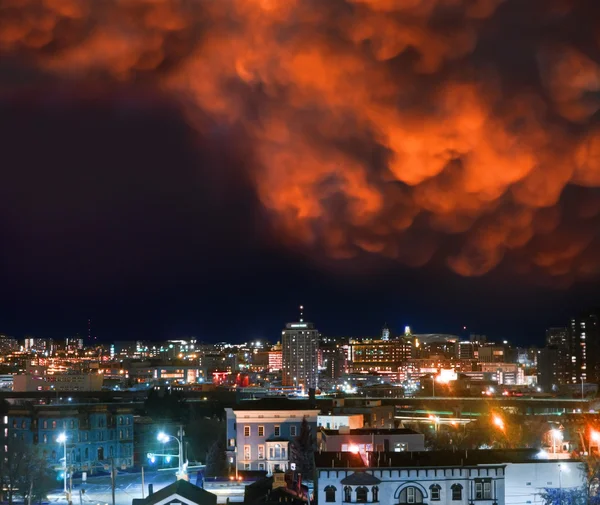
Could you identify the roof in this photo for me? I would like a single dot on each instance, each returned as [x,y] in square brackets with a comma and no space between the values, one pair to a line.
[275,404]
[371,431]
[360,479]
[182,488]
[447,458]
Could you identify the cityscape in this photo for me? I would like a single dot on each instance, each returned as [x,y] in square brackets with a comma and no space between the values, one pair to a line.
[300,252]
[337,419]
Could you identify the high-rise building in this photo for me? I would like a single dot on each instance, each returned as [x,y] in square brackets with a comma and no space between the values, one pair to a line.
[385,332]
[584,347]
[559,358]
[300,344]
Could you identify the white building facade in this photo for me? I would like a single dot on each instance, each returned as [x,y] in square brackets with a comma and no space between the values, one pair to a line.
[442,477]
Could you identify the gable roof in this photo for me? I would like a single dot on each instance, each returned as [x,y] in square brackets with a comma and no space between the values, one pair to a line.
[183,489]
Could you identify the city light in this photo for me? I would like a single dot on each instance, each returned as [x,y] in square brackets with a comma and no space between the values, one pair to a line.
[62,438]
[498,421]
[595,436]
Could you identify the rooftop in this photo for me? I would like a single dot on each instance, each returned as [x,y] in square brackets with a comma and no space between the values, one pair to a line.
[448,458]
[276,403]
[371,431]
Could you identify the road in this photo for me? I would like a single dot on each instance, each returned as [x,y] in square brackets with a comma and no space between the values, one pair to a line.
[129,486]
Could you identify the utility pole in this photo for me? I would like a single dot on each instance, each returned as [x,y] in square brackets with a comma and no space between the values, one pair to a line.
[143,484]
[112,479]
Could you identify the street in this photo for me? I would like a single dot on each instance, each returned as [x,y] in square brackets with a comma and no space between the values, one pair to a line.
[129,486]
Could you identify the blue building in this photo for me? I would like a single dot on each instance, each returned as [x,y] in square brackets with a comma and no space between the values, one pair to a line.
[259,433]
[95,435]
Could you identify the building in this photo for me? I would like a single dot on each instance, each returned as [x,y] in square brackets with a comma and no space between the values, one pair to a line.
[94,434]
[382,356]
[38,379]
[259,433]
[277,489]
[300,344]
[179,493]
[275,360]
[335,422]
[585,347]
[489,477]
[333,360]
[374,414]
[365,440]
[507,374]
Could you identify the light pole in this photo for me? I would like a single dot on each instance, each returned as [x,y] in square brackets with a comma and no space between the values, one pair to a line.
[556,434]
[164,438]
[62,439]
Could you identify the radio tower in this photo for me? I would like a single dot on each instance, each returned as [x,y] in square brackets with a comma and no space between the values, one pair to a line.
[301,313]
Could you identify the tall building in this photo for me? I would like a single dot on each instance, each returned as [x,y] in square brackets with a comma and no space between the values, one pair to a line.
[584,347]
[299,345]
[385,332]
[379,355]
[557,363]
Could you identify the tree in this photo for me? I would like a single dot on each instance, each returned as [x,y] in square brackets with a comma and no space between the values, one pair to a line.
[24,472]
[570,496]
[216,460]
[302,451]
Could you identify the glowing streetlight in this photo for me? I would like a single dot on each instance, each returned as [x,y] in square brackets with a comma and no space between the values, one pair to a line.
[556,435]
[62,439]
[164,438]
[498,422]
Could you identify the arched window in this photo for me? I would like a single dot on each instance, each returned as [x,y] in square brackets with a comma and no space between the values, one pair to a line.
[361,494]
[348,494]
[456,492]
[375,493]
[411,494]
[330,494]
[435,492]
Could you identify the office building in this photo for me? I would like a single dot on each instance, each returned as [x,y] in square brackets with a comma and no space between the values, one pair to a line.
[383,356]
[300,344]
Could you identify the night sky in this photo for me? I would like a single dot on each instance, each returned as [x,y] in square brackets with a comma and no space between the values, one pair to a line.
[186,194]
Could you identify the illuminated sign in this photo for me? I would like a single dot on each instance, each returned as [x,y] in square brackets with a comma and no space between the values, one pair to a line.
[298,325]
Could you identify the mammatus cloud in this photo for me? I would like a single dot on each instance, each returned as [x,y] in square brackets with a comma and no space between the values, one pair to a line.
[392,127]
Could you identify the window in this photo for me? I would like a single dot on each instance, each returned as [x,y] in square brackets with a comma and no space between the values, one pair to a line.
[456,492]
[410,494]
[261,466]
[261,431]
[23,425]
[292,431]
[483,489]
[86,454]
[261,452]
[375,493]
[347,494]
[330,494]
[246,431]
[435,492]
[374,418]
[45,438]
[120,419]
[231,442]
[45,424]
[277,431]
[53,425]
[246,452]
[72,424]
[246,466]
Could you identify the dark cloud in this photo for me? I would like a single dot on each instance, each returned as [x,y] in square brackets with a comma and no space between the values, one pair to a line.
[411,130]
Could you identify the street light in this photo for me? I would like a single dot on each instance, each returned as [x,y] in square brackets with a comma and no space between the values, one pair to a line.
[498,422]
[62,439]
[556,434]
[164,438]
